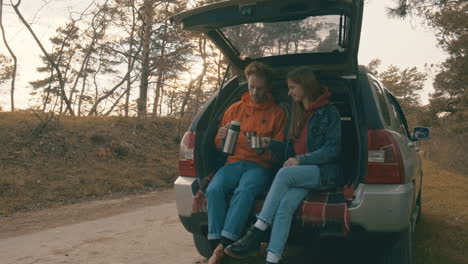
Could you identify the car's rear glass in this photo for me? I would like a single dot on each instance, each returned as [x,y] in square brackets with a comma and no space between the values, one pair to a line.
[309,35]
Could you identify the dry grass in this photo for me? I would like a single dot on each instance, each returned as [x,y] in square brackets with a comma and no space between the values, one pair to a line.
[448,148]
[442,234]
[72,159]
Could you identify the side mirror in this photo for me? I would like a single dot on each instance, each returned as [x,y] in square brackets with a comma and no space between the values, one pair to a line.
[421,133]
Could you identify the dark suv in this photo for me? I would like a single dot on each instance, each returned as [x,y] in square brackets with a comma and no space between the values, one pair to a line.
[380,156]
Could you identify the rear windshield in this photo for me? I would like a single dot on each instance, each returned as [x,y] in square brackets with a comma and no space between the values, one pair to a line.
[309,35]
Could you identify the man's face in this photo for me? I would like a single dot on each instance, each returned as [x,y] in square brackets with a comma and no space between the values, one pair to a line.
[258,88]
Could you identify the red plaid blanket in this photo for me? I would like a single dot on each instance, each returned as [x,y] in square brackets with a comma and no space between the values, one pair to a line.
[318,210]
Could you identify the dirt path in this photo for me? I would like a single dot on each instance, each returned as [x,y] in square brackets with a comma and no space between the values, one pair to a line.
[145,229]
[140,229]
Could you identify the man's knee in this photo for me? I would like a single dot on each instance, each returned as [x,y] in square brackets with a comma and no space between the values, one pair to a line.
[214,191]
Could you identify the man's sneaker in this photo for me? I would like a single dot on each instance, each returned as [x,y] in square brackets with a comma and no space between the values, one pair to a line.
[246,245]
[218,255]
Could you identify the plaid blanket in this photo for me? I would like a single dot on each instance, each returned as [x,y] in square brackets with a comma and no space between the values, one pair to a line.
[318,210]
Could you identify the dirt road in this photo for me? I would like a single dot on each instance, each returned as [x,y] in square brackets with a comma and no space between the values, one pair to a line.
[141,229]
[138,230]
[145,229]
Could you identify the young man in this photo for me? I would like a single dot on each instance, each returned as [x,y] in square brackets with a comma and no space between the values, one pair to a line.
[247,173]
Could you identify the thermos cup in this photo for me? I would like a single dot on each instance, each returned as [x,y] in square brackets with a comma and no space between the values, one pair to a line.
[231,137]
[255,141]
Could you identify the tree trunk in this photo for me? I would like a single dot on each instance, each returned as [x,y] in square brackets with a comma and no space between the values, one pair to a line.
[130,59]
[49,58]
[162,69]
[46,100]
[204,55]
[147,28]
[15,61]
[80,99]
[157,92]
[114,104]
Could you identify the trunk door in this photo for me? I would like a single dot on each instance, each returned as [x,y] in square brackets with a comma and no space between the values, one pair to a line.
[324,33]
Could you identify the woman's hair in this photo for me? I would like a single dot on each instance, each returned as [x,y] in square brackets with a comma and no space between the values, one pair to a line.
[305,77]
[261,70]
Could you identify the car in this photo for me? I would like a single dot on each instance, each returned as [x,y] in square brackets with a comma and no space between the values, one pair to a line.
[380,157]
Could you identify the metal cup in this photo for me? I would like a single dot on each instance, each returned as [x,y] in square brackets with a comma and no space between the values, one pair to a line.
[255,142]
[249,134]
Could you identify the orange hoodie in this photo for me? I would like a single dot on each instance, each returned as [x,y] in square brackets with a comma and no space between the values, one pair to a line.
[267,119]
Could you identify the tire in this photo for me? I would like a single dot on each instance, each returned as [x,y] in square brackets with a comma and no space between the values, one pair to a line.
[401,250]
[204,246]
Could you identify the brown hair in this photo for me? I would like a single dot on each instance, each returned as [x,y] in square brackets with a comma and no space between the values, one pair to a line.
[305,77]
[259,69]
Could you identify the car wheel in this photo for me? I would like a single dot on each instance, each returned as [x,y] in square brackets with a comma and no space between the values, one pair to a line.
[204,246]
[401,250]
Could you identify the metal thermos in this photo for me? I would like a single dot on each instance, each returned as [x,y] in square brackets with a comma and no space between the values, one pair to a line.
[231,137]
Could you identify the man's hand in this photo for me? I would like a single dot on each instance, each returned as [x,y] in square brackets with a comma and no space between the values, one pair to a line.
[222,132]
[291,162]
[247,141]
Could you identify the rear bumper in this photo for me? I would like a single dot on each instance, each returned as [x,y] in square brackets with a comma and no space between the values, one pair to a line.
[382,207]
[184,190]
[378,208]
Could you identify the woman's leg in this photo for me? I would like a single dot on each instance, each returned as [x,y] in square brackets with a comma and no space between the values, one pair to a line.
[303,176]
[283,218]
[291,185]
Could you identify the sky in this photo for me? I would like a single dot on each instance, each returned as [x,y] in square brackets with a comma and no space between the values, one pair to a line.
[404,43]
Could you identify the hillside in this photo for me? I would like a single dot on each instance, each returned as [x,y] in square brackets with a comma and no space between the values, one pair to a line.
[45,162]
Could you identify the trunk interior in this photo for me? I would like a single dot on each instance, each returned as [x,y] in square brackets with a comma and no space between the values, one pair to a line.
[208,159]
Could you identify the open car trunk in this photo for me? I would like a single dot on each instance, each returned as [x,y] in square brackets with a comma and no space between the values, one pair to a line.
[324,33]
[209,158]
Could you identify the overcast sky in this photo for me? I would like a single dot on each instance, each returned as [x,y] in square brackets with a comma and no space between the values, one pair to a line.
[403,43]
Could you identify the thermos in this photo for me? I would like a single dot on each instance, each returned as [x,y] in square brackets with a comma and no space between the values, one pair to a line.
[231,137]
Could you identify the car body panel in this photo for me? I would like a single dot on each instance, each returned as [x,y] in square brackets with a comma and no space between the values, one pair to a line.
[376,207]
[184,195]
[382,207]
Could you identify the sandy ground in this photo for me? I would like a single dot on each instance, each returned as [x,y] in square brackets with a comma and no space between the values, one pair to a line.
[140,229]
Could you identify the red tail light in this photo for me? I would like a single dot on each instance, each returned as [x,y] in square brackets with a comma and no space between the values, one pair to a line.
[186,155]
[384,162]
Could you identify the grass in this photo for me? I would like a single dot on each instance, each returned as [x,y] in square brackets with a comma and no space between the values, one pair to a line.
[72,159]
[442,234]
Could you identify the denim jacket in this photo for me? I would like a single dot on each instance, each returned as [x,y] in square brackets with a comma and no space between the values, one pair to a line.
[323,145]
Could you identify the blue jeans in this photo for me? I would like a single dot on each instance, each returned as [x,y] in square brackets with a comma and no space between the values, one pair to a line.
[290,186]
[246,181]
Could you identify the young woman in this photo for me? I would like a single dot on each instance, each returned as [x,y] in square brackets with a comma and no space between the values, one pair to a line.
[313,151]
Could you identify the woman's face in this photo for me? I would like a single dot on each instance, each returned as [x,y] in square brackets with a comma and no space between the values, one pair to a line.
[296,91]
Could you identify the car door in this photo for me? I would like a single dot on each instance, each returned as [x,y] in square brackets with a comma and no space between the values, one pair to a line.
[273,20]
[409,149]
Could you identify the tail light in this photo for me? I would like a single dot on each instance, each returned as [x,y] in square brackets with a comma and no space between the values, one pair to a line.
[186,155]
[384,162]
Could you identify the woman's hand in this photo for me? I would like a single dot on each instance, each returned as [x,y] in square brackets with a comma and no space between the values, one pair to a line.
[291,162]
[265,142]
